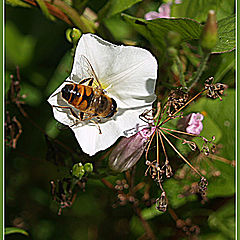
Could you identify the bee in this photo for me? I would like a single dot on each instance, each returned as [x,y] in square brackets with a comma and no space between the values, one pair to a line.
[90,100]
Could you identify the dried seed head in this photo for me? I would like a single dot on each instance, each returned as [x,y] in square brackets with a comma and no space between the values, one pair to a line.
[202,186]
[161,203]
[176,99]
[214,90]
[169,172]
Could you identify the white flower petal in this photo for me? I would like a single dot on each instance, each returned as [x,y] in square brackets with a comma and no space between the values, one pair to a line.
[126,124]
[128,73]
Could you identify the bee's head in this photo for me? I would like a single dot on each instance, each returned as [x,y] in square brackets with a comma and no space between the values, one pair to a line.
[113,109]
[66,91]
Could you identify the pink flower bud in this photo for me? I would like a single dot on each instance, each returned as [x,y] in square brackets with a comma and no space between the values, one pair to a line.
[192,123]
[195,125]
[129,150]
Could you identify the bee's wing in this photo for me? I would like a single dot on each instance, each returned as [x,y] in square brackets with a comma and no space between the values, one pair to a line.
[84,71]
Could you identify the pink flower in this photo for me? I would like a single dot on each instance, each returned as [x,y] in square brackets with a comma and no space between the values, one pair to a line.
[195,125]
[129,150]
[163,11]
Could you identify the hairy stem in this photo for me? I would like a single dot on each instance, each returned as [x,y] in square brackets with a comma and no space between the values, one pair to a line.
[180,69]
[200,70]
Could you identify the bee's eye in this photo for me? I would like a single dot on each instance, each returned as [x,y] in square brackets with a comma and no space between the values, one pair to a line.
[66,91]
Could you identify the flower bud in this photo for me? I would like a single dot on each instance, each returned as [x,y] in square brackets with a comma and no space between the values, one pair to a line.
[172,52]
[192,123]
[173,38]
[73,35]
[129,150]
[88,167]
[78,170]
[209,36]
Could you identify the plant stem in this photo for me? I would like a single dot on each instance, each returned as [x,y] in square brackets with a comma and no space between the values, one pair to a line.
[200,70]
[180,69]
[145,224]
[81,22]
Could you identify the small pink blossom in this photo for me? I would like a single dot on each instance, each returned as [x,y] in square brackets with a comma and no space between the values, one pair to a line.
[164,11]
[195,125]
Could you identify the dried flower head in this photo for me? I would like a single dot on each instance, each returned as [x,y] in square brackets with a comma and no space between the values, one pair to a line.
[214,90]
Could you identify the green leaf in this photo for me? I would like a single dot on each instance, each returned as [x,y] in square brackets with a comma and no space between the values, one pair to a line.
[226,35]
[198,10]
[223,185]
[223,114]
[79,5]
[115,6]
[155,31]
[44,9]
[11,230]
[149,213]
[17,3]
[173,190]
[19,48]
[33,94]
[213,236]
[227,64]
[223,220]
[61,73]
[136,226]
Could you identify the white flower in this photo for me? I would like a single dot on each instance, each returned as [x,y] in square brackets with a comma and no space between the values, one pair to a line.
[127,74]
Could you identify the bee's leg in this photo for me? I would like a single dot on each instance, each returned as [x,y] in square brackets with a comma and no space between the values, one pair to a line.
[81,115]
[100,132]
[71,110]
[99,119]
[90,80]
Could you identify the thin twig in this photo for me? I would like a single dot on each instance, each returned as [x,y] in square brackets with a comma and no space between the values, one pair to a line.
[184,159]
[169,118]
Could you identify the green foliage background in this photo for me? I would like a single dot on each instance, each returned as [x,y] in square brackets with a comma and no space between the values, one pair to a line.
[35,41]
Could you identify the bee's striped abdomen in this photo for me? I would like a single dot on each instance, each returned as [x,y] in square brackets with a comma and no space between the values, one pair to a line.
[81,97]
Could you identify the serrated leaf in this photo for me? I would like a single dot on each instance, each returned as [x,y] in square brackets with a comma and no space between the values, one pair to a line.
[115,6]
[17,3]
[223,220]
[198,10]
[155,31]
[44,9]
[11,230]
[226,35]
